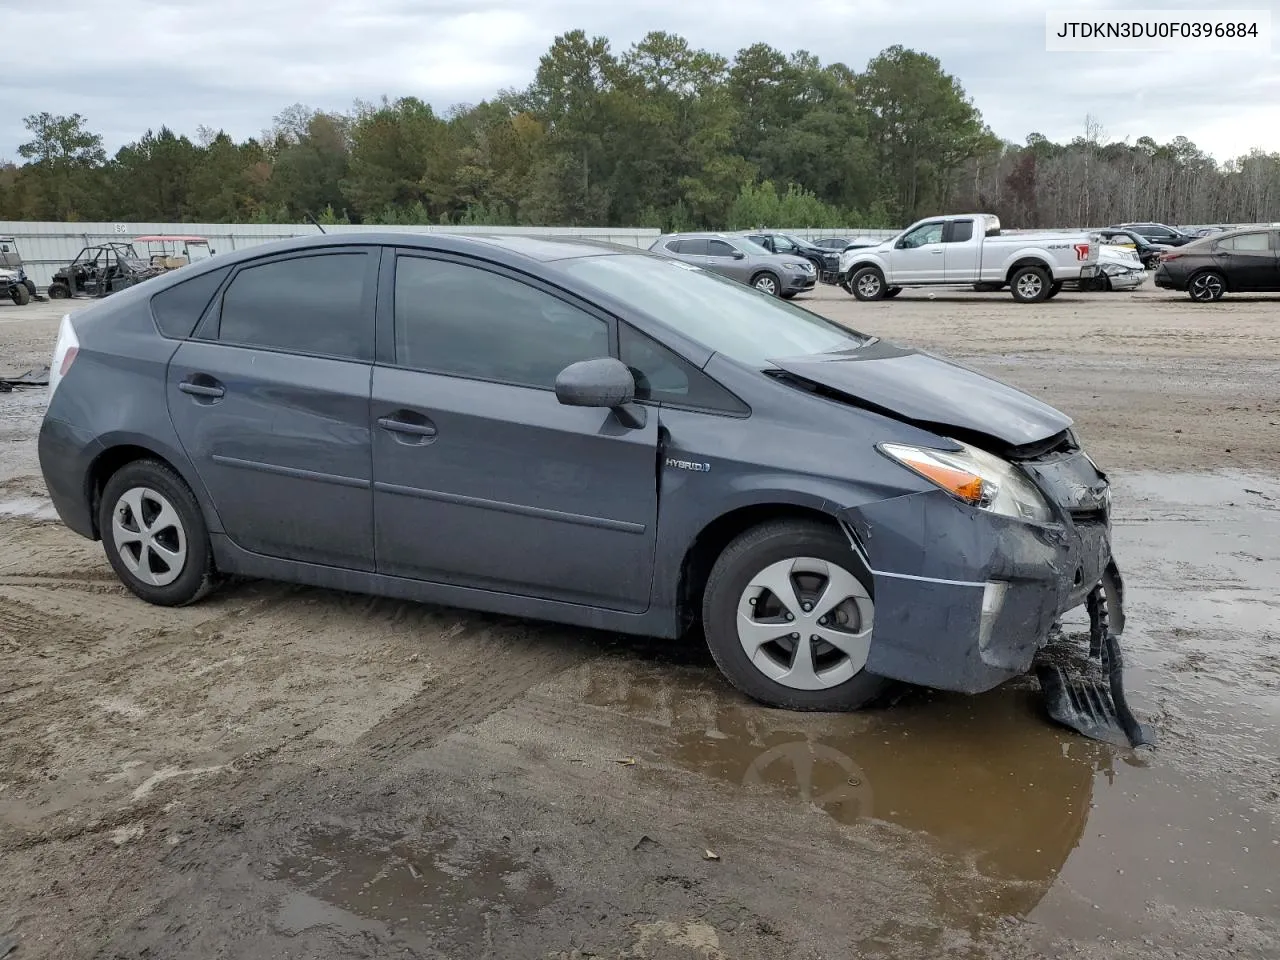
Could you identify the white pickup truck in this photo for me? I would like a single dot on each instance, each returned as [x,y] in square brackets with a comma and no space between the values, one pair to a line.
[968,250]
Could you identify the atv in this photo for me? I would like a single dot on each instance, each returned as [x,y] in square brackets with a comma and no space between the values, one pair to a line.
[14,282]
[101,270]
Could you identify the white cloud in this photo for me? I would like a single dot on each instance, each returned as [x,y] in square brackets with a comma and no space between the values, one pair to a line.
[236,63]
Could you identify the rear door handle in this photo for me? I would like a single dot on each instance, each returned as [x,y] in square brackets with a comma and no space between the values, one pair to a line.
[202,390]
[404,426]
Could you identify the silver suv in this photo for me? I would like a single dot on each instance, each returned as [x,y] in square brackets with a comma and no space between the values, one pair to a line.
[779,275]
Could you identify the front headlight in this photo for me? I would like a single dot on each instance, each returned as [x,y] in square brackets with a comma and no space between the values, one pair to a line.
[977,478]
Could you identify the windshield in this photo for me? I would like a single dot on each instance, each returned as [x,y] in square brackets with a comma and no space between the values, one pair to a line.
[723,315]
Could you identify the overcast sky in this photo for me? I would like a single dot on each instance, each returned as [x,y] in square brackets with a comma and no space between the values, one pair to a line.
[135,64]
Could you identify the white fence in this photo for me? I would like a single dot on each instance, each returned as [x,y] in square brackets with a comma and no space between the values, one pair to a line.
[47,246]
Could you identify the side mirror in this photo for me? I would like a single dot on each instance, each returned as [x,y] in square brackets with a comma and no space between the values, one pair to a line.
[739,255]
[602,382]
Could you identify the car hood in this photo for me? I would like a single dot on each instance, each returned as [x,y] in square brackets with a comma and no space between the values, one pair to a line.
[932,392]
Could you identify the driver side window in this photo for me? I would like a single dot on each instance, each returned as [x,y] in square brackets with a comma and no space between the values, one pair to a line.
[467,321]
[925,233]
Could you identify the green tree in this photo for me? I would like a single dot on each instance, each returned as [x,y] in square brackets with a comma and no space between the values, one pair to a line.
[922,128]
[66,163]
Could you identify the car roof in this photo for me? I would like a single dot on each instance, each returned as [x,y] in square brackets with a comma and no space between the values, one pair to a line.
[543,249]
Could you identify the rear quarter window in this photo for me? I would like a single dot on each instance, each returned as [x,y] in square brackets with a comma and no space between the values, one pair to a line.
[178,309]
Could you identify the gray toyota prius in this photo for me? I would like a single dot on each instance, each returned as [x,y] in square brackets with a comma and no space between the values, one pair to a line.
[589,434]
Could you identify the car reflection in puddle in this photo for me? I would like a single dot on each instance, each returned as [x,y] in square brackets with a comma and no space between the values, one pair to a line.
[986,778]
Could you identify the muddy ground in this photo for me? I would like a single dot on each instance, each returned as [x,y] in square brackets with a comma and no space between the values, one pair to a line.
[287,772]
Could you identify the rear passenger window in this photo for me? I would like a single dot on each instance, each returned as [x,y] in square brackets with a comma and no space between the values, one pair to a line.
[467,321]
[178,309]
[313,305]
[961,231]
[663,377]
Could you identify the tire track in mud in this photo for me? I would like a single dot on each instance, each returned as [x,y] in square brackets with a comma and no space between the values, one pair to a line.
[487,670]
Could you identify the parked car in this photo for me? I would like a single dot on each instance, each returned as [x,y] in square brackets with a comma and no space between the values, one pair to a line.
[1206,231]
[848,243]
[741,259]
[1235,261]
[1148,252]
[1157,233]
[1119,268]
[826,263]
[576,432]
[968,250]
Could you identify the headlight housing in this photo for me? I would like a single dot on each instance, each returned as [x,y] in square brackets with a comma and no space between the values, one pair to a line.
[977,478]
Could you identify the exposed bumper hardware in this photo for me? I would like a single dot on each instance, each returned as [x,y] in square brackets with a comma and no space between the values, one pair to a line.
[1098,709]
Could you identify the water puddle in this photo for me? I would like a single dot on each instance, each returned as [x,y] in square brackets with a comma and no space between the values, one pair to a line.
[29,508]
[423,888]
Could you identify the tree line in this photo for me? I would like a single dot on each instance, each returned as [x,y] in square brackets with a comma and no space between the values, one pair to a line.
[660,135]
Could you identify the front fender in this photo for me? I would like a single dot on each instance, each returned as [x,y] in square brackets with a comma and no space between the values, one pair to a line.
[851,262]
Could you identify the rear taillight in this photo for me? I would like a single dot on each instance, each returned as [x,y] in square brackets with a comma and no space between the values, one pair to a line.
[1169,255]
[64,353]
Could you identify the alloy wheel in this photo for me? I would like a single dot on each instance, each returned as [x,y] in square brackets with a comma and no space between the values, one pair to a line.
[806,623]
[1207,287]
[767,284]
[869,285]
[1029,286]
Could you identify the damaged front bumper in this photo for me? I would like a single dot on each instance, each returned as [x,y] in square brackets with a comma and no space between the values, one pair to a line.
[1097,708]
[965,599]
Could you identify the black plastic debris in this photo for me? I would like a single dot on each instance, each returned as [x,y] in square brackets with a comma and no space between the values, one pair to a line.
[32,378]
[1098,709]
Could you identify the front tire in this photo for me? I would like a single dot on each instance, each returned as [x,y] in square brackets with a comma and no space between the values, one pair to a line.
[154,535]
[816,659]
[59,291]
[868,284]
[1207,287]
[20,294]
[767,283]
[1030,284]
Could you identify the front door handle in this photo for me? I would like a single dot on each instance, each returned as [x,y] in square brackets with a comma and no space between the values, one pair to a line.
[404,426]
[211,391]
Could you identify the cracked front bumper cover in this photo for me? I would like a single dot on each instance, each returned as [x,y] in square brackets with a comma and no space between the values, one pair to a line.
[1097,708]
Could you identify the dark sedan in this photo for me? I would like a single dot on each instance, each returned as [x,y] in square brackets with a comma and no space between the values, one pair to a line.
[582,433]
[1157,233]
[1235,261]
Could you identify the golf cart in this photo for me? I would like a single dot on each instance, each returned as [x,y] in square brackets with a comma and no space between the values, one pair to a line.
[172,251]
[14,282]
[100,270]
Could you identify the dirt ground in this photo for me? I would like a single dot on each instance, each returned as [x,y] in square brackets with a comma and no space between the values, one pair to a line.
[288,772]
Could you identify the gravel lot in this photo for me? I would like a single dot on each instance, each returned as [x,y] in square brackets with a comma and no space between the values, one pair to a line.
[288,772]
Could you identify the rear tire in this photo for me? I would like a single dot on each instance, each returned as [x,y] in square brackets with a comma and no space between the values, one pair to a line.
[1030,284]
[1056,288]
[892,292]
[808,562]
[155,536]
[868,284]
[1207,286]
